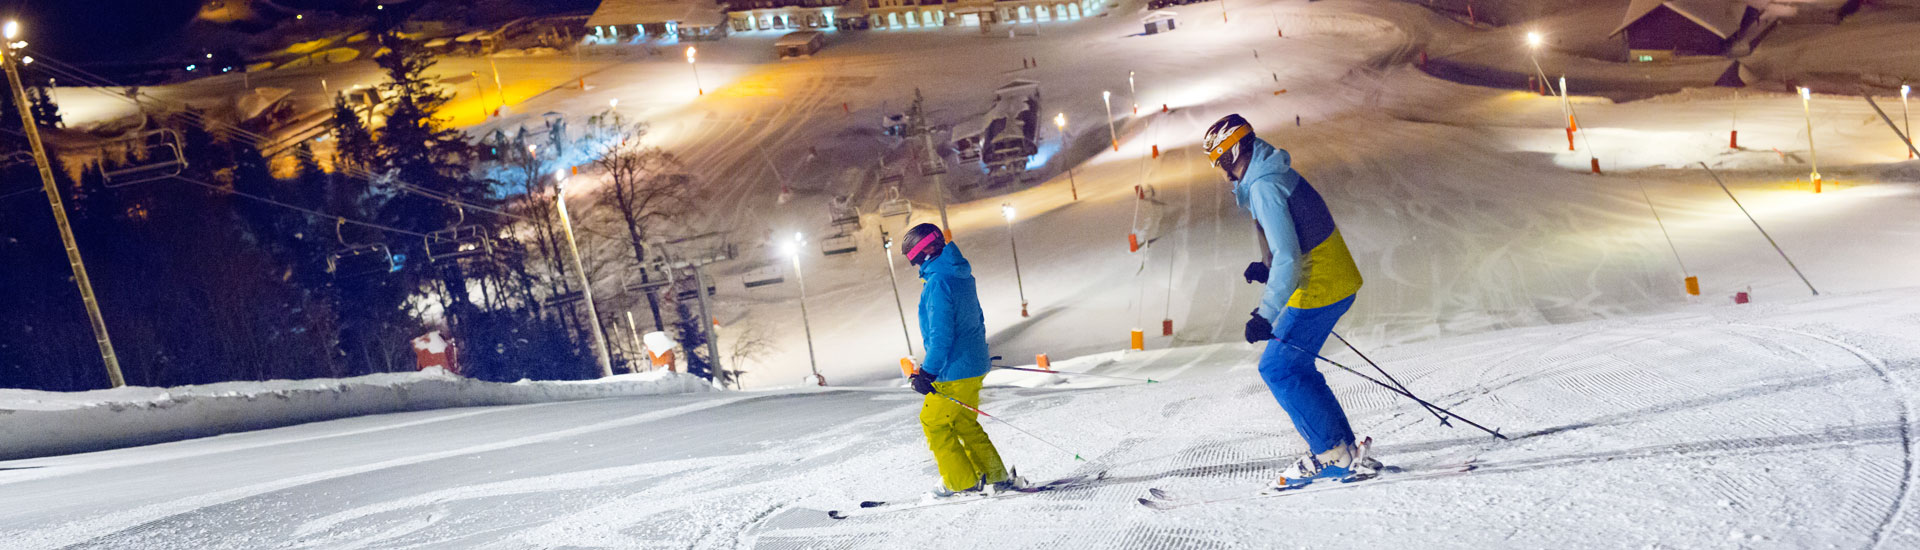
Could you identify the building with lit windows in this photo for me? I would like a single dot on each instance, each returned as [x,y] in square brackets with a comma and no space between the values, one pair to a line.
[628,21]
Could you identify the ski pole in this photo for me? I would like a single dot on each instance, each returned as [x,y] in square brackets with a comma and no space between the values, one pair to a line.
[1147,380]
[976,410]
[1496,433]
[1390,378]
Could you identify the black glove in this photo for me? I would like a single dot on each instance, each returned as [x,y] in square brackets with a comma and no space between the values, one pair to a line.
[1258,329]
[922,381]
[1256,273]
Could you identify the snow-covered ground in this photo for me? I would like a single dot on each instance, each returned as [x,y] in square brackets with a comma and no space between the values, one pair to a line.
[1503,281]
[1783,425]
[41,423]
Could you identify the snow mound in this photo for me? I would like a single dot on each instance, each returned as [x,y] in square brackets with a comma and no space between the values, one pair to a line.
[40,423]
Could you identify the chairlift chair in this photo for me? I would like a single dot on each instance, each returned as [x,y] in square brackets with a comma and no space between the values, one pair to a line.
[459,241]
[362,260]
[839,244]
[160,157]
[895,205]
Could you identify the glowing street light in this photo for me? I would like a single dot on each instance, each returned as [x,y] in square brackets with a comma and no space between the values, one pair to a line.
[586,284]
[1060,121]
[1813,157]
[1006,211]
[1107,97]
[11,30]
[613,103]
[696,71]
[793,250]
[1133,95]
[1534,39]
[1906,118]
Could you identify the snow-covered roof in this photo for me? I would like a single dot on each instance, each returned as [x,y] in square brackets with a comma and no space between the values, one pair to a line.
[1721,17]
[640,12]
[796,38]
[1157,16]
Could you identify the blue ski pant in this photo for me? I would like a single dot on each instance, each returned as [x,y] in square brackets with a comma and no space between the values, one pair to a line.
[1287,367]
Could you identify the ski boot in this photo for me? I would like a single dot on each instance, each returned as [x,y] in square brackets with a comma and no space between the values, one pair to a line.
[1013,482]
[940,493]
[1346,463]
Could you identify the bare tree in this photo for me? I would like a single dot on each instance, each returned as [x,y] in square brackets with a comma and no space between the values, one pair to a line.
[645,187]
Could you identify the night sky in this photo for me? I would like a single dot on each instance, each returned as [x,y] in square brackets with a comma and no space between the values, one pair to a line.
[98,30]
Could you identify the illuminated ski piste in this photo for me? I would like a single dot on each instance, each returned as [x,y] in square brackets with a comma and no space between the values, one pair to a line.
[1503,282]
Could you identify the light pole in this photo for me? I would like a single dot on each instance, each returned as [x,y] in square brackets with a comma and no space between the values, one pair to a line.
[1107,98]
[1132,94]
[1813,156]
[586,283]
[499,90]
[793,249]
[1060,121]
[696,72]
[886,244]
[1906,118]
[1534,41]
[10,31]
[1006,211]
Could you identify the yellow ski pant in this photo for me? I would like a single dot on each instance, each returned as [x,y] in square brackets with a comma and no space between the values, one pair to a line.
[960,447]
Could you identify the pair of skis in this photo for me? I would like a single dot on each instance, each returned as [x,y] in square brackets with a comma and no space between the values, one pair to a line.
[1161,499]
[874,507]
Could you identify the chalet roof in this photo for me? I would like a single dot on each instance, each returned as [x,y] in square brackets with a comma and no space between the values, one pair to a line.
[1720,17]
[641,12]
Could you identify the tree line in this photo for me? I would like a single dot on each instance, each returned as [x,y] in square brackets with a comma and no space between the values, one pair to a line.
[226,272]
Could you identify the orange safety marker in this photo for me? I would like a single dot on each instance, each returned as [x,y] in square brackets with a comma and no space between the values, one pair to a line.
[1042,362]
[1156,151]
[1816,185]
[1571,124]
[1569,138]
[1596,171]
[1733,142]
[1133,242]
[1163,108]
[906,367]
[1116,145]
[1139,340]
[1693,286]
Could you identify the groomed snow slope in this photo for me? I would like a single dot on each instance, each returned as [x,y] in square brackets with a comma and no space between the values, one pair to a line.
[1784,425]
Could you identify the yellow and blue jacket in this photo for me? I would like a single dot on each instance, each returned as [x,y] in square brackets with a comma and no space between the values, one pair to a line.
[1311,266]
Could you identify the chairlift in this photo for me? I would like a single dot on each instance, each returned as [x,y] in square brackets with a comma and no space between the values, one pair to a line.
[839,244]
[458,241]
[842,214]
[769,275]
[152,155]
[683,293]
[362,260]
[895,205]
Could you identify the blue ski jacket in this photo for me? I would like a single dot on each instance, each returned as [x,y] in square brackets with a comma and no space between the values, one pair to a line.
[1311,267]
[951,324]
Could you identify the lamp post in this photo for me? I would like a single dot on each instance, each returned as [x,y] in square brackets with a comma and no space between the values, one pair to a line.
[1132,94]
[1107,98]
[696,72]
[793,249]
[1006,211]
[1060,121]
[586,283]
[1534,41]
[1906,118]
[886,243]
[1813,156]
[499,90]
[8,55]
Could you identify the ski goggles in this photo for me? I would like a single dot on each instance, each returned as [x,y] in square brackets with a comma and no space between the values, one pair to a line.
[913,254]
[1221,149]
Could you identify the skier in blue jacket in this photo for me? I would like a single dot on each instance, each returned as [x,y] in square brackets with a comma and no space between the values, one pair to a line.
[1310,281]
[955,334]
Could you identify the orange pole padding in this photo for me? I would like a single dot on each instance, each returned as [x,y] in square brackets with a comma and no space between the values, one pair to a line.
[583,84]
[1139,340]
[906,367]
[1816,185]
[1693,286]
[1166,327]
[1023,309]
[1116,145]
[1042,362]
[1569,139]
[947,234]
[1133,242]
[1596,170]
[1163,108]
[1139,192]
[1572,124]
[1733,141]
[576,170]
[1156,151]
